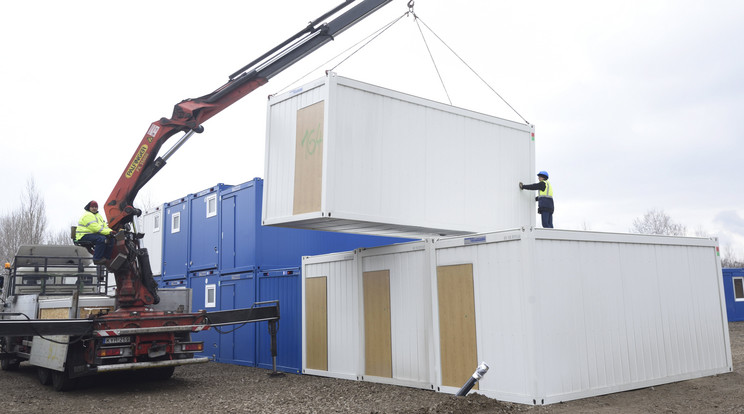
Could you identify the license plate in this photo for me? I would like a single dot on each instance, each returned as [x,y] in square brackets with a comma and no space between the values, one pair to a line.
[117,339]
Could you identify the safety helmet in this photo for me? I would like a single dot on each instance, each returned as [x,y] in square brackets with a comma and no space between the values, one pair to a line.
[544,174]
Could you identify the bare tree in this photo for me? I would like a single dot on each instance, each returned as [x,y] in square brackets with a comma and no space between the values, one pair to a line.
[26,225]
[61,237]
[729,259]
[657,222]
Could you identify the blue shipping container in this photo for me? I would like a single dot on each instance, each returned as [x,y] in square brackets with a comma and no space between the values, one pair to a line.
[247,244]
[733,287]
[205,295]
[176,239]
[204,229]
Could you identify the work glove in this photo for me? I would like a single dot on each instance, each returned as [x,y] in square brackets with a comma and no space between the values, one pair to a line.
[521,185]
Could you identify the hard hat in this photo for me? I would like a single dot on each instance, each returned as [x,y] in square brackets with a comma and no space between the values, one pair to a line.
[544,174]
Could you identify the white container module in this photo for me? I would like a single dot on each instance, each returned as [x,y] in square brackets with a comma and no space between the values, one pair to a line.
[342,155]
[366,315]
[151,224]
[558,315]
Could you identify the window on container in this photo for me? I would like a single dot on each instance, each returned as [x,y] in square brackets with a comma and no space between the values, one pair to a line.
[210,296]
[176,222]
[211,205]
[156,224]
[738,288]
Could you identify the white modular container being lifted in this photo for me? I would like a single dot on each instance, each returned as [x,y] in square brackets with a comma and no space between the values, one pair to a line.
[558,315]
[342,155]
[151,224]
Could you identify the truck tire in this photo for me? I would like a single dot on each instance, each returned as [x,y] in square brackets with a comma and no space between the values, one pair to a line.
[44,375]
[61,381]
[9,364]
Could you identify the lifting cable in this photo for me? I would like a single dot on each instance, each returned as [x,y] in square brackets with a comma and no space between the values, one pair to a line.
[371,37]
[410,5]
[364,42]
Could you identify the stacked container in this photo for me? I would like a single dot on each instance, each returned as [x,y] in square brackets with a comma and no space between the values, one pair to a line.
[217,246]
[558,315]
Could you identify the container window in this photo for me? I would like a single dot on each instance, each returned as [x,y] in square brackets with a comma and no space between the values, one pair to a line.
[210,296]
[176,222]
[156,224]
[739,288]
[211,205]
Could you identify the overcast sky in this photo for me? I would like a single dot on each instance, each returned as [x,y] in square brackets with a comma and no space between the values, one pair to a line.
[637,105]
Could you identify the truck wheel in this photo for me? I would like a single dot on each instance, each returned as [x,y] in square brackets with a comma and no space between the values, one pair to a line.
[44,375]
[61,381]
[9,364]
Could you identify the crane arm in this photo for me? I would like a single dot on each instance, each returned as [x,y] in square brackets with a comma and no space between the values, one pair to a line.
[189,115]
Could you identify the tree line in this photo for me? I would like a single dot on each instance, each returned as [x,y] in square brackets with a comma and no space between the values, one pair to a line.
[27,225]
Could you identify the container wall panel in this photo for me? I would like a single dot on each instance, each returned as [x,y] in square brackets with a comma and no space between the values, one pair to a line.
[199,286]
[410,309]
[151,224]
[176,239]
[733,283]
[503,324]
[633,312]
[240,211]
[343,313]
[238,346]
[284,285]
[396,144]
[204,229]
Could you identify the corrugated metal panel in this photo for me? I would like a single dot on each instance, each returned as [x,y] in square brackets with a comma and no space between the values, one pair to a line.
[204,209]
[627,312]
[561,314]
[410,310]
[343,314]
[176,239]
[151,224]
[503,323]
[382,164]
[284,285]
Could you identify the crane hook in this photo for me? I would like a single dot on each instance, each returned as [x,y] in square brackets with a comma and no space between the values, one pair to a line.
[410,6]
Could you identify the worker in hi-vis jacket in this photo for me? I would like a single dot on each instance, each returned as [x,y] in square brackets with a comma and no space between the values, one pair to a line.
[545,206]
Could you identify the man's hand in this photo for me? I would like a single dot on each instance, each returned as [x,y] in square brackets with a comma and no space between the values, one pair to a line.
[521,185]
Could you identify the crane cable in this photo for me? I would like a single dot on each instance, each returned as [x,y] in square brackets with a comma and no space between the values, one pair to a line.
[371,37]
[380,31]
[463,62]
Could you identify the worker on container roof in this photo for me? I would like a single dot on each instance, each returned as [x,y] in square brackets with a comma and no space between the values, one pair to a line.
[93,228]
[545,205]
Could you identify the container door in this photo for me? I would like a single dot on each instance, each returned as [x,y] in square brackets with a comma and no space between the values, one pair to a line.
[457,336]
[286,287]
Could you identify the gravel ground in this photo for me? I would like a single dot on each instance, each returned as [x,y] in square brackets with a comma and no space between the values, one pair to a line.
[214,387]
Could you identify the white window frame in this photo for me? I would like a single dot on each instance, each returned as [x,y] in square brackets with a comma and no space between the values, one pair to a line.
[156,223]
[210,288]
[208,201]
[176,222]
[733,281]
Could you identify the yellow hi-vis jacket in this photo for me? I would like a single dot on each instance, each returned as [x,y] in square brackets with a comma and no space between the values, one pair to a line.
[91,224]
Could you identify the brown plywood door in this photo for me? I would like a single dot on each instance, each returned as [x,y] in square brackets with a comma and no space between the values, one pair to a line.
[378,354]
[459,354]
[308,180]
[316,323]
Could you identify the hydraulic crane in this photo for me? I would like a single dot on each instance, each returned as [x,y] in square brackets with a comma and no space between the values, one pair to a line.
[135,335]
[128,262]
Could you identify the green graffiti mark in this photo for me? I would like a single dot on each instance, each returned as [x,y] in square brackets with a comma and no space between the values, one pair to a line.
[312,139]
